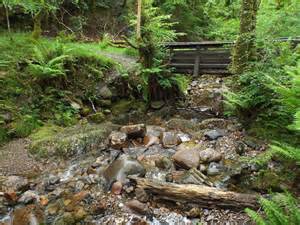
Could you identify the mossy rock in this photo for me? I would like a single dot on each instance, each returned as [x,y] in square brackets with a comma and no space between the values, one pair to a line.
[125,106]
[68,142]
[98,117]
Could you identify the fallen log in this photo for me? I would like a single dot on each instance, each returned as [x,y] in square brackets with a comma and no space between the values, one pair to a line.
[204,196]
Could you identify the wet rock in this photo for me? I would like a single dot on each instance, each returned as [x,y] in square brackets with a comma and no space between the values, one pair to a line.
[138,207]
[182,124]
[214,169]
[117,188]
[15,183]
[210,155]
[79,186]
[134,131]
[119,169]
[155,131]
[169,139]
[150,140]
[214,134]
[118,140]
[187,158]
[29,197]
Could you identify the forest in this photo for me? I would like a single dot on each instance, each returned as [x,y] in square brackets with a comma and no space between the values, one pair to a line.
[149,112]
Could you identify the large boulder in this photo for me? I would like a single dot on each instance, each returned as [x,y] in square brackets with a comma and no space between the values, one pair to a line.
[119,169]
[67,142]
[187,158]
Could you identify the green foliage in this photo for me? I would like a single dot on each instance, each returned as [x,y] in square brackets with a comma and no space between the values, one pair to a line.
[48,63]
[281,210]
[25,125]
[255,100]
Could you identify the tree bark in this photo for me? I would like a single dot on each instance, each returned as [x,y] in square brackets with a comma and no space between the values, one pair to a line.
[244,50]
[37,25]
[7,18]
[139,20]
[204,196]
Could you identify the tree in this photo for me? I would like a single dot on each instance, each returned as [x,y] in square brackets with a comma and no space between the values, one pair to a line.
[244,50]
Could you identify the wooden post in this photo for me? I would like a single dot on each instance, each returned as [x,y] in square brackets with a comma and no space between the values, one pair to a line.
[197,61]
[139,19]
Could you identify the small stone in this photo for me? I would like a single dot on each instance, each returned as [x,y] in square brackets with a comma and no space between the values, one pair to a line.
[118,140]
[79,186]
[202,167]
[117,188]
[163,163]
[141,195]
[184,137]
[44,200]
[154,131]
[80,214]
[138,207]
[170,139]
[150,140]
[187,158]
[134,131]
[28,197]
[214,134]
[214,169]
[210,155]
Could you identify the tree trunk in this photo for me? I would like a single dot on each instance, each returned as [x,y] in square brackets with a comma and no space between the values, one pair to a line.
[139,20]
[204,196]
[7,18]
[37,25]
[244,50]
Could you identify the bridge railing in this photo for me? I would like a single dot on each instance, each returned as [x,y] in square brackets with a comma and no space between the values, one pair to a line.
[207,57]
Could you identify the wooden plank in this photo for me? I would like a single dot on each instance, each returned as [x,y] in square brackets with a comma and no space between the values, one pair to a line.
[201,65]
[196,44]
[197,62]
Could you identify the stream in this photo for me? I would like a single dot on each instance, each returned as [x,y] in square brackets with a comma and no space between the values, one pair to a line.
[191,145]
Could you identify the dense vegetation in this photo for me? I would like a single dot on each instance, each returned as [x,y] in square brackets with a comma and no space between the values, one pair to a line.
[51,70]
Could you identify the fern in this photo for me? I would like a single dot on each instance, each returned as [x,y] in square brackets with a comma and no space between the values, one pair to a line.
[281,210]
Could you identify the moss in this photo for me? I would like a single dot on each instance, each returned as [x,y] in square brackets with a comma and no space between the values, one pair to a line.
[70,141]
[98,117]
[125,106]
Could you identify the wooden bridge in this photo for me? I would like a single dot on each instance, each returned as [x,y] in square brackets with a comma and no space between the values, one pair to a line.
[207,57]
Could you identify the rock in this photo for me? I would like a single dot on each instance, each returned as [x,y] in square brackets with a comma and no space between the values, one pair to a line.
[184,137]
[15,184]
[210,155]
[66,219]
[105,92]
[214,134]
[134,131]
[154,131]
[138,207]
[150,140]
[98,117]
[214,169]
[157,104]
[213,123]
[164,163]
[11,197]
[44,200]
[156,174]
[75,106]
[79,186]
[169,139]
[192,176]
[79,214]
[29,197]
[119,169]
[118,140]
[141,195]
[187,158]
[104,102]
[182,124]
[202,167]
[117,188]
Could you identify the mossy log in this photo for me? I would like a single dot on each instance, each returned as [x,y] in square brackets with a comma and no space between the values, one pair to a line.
[204,196]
